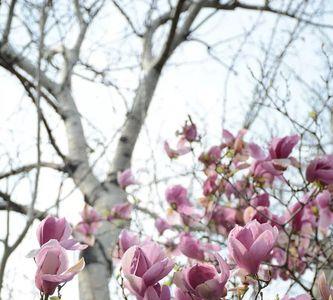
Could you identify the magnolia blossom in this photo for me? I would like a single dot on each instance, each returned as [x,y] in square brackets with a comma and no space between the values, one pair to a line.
[210,186]
[91,218]
[250,245]
[261,213]
[144,266]
[190,132]
[57,229]
[282,147]
[120,211]
[181,295]
[203,281]
[256,151]
[279,150]
[260,200]
[213,156]
[161,225]
[177,196]
[324,201]
[53,228]
[182,148]
[263,172]
[52,267]
[193,248]
[224,218]
[127,239]
[125,178]
[320,169]
[190,216]
[157,293]
[268,166]
[178,200]
[234,142]
[184,215]
[326,291]
[301,217]
[91,221]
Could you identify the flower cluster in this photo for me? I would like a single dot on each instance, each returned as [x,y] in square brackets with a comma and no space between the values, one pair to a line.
[144,265]
[54,237]
[270,226]
[267,213]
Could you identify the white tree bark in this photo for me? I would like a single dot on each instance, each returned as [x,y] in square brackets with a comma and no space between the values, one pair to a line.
[95,277]
[134,121]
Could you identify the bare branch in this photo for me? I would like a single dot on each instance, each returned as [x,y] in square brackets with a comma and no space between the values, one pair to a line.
[8,204]
[8,23]
[170,39]
[127,17]
[234,4]
[8,56]
[30,167]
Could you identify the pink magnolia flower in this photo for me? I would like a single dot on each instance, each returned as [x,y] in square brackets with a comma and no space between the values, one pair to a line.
[180,295]
[250,245]
[224,218]
[296,214]
[120,211]
[324,201]
[52,267]
[203,281]
[282,147]
[260,213]
[161,225]
[189,215]
[92,218]
[182,148]
[82,232]
[127,239]
[280,255]
[320,169]
[193,248]
[326,292]
[53,228]
[183,212]
[58,229]
[264,171]
[228,137]
[177,196]
[276,161]
[125,178]
[91,221]
[256,151]
[210,186]
[144,266]
[190,132]
[234,142]
[260,200]
[169,151]
[213,156]
[157,293]
[300,216]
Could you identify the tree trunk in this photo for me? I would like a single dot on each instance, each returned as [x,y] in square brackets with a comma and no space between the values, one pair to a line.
[93,281]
